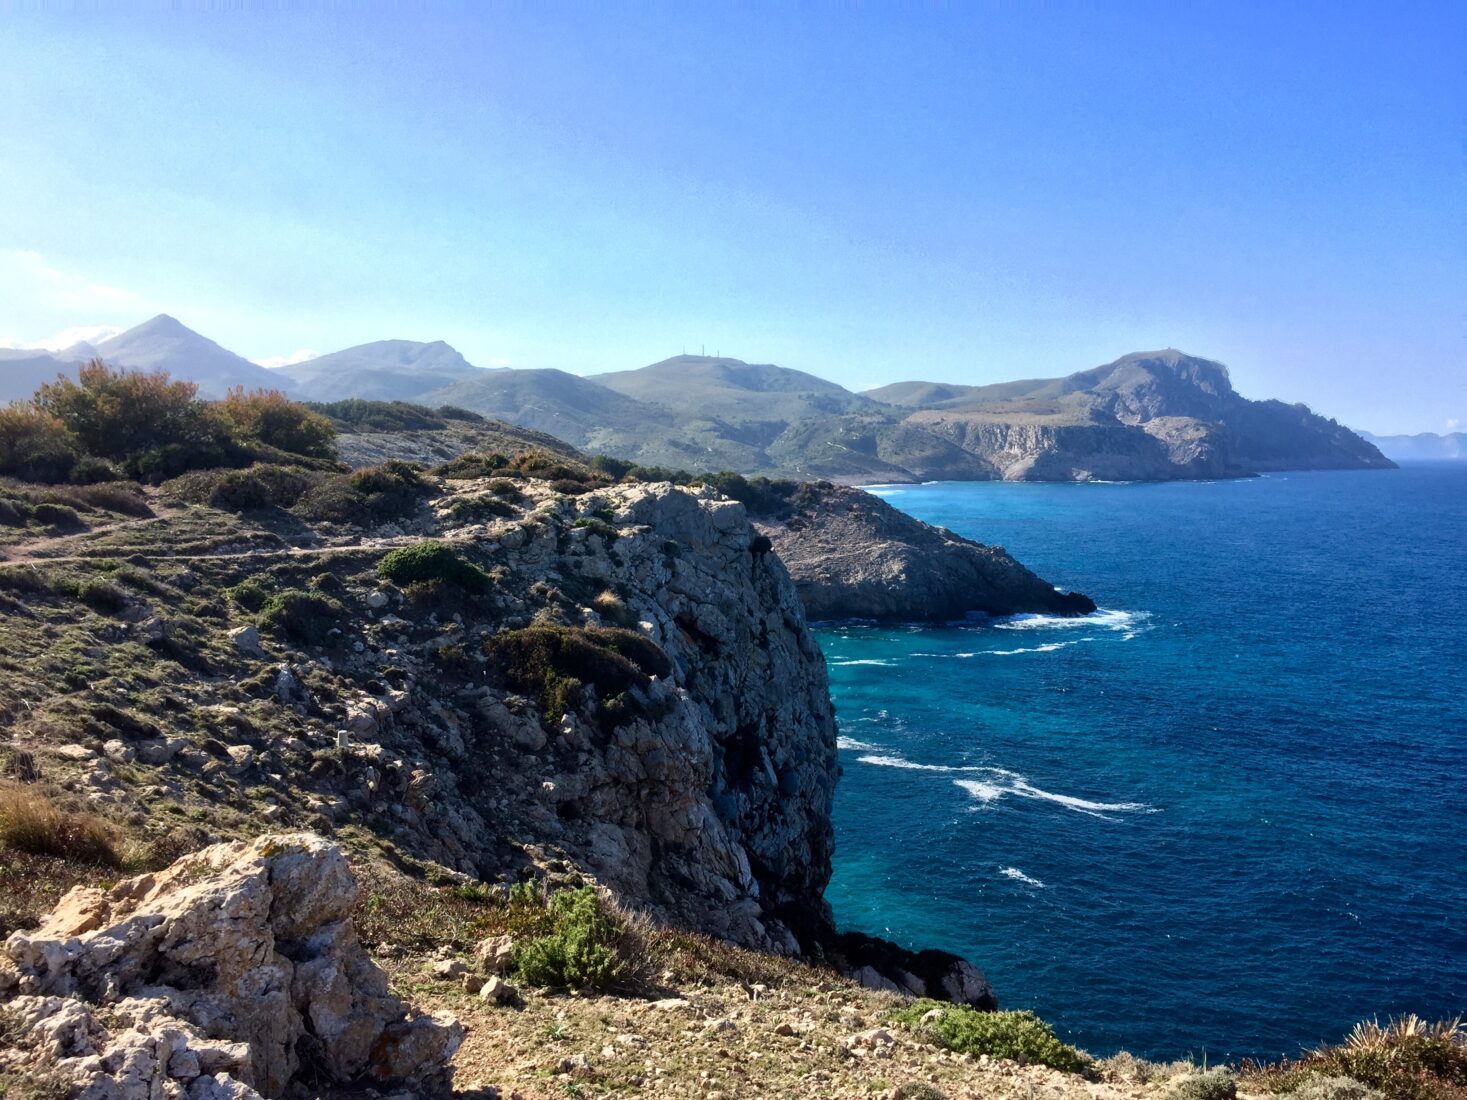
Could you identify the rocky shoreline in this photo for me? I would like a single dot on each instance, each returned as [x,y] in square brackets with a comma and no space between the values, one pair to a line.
[852,555]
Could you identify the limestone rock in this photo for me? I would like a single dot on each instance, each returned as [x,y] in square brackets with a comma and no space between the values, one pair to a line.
[246,639]
[234,970]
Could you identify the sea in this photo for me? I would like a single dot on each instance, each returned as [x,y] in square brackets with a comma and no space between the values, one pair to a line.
[1223,817]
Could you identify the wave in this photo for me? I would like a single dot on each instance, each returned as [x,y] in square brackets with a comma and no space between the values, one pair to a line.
[1048,647]
[851,744]
[867,661]
[1019,876]
[1123,621]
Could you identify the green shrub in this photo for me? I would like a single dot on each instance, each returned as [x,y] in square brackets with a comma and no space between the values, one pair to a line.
[57,515]
[14,513]
[125,499]
[374,494]
[35,445]
[1321,1086]
[1019,1036]
[430,561]
[552,664]
[101,595]
[119,414]
[250,593]
[1408,1058]
[597,526]
[1214,1084]
[472,466]
[359,415]
[91,470]
[580,951]
[506,490]
[453,412]
[484,506]
[301,617]
[271,418]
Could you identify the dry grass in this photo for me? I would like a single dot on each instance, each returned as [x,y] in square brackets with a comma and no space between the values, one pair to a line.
[1407,1058]
[32,821]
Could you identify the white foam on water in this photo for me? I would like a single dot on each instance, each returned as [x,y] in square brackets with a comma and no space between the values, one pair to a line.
[983,792]
[867,661]
[1019,876]
[850,743]
[1011,784]
[1104,618]
[1048,647]
[891,760]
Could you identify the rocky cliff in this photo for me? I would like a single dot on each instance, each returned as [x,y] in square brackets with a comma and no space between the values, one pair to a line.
[853,556]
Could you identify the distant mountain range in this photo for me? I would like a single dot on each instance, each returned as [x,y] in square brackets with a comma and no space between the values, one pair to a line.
[1147,416]
[1422,447]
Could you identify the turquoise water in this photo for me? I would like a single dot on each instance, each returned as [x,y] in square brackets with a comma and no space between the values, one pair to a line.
[1227,813]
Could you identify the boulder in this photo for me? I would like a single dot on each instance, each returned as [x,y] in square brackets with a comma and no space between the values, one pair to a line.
[234,973]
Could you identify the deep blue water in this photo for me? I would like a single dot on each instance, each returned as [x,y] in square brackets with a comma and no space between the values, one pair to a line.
[1226,814]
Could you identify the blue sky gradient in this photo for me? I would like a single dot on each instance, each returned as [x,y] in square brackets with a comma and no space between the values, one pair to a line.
[966,193]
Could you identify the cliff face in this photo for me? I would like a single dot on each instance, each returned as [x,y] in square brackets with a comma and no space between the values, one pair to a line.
[713,806]
[1151,416]
[852,555]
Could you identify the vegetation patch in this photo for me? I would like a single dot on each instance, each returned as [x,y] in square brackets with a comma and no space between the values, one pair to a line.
[471,467]
[1407,1058]
[32,821]
[579,949]
[376,494]
[432,561]
[1213,1084]
[552,664]
[305,618]
[483,506]
[1018,1036]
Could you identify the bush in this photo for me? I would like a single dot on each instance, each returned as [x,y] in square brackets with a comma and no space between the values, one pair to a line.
[484,506]
[91,470]
[1019,1036]
[552,664]
[580,951]
[374,494]
[101,595]
[259,486]
[305,618]
[14,513]
[472,466]
[271,418]
[1320,1086]
[506,490]
[119,414]
[453,412]
[1215,1084]
[57,515]
[35,445]
[250,593]
[125,499]
[359,415]
[597,526]
[30,821]
[430,561]
[1408,1058]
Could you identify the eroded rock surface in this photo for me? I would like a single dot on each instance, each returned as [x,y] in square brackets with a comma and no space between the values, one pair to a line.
[853,556]
[231,974]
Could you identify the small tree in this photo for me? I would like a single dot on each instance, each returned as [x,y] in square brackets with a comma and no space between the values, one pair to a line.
[34,445]
[271,418]
[118,414]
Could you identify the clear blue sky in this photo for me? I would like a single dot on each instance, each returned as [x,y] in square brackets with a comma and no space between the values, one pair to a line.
[953,192]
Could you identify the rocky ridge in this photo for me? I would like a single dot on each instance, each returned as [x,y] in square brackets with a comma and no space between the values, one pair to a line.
[853,556]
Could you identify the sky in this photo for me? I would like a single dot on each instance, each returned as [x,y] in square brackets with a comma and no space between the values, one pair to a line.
[870,192]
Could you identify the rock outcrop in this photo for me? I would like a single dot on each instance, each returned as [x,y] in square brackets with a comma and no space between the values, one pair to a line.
[226,977]
[853,556]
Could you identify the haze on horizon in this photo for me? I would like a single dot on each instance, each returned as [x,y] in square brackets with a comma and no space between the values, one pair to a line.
[969,195]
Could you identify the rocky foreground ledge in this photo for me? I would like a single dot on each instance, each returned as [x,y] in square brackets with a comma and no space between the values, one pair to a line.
[232,975]
[853,556]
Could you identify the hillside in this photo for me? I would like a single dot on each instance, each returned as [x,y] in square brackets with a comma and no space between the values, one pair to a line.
[164,344]
[1421,447]
[1146,416]
[386,370]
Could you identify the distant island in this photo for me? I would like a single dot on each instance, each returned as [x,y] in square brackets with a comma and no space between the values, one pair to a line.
[1422,447]
[1148,416]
